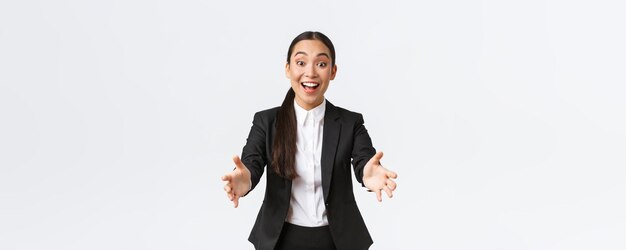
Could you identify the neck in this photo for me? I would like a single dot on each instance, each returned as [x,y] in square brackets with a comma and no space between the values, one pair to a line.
[306,106]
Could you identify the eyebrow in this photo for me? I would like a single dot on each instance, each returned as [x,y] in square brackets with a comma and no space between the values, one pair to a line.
[304,53]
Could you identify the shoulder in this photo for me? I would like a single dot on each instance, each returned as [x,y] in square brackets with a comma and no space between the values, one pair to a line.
[267,112]
[344,114]
[347,113]
[267,115]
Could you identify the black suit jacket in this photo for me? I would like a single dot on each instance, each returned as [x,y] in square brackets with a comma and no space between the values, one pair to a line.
[345,141]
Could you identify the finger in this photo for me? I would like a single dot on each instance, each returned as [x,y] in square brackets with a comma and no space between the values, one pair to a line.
[225,177]
[236,201]
[391,184]
[237,162]
[230,196]
[392,174]
[227,188]
[379,196]
[388,191]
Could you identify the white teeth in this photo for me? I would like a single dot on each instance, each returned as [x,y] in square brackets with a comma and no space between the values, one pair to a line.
[310,84]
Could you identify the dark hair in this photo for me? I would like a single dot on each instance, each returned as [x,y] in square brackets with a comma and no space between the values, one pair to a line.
[284,145]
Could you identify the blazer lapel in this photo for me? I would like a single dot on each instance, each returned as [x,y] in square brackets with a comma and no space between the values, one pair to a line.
[332,128]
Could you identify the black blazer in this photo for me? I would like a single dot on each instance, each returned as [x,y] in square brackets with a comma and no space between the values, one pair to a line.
[345,141]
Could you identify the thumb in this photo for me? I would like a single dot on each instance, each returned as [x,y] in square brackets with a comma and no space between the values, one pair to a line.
[377,157]
[374,162]
[238,162]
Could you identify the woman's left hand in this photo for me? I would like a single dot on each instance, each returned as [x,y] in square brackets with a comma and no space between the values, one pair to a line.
[377,178]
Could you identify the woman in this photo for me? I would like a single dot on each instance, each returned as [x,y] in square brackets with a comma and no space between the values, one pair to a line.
[308,145]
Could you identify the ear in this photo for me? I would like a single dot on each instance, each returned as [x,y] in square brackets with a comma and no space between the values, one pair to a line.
[333,72]
[287,70]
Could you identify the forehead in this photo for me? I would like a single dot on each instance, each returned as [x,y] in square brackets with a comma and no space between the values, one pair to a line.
[310,47]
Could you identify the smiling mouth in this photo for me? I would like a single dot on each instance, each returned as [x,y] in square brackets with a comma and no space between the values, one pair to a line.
[309,87]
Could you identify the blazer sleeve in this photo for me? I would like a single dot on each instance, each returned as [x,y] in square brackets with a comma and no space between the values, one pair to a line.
[362,149]
[254,152]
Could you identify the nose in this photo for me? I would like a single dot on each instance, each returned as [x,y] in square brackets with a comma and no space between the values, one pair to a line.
[309,71]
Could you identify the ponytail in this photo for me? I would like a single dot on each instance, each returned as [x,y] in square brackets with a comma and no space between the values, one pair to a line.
[284,145]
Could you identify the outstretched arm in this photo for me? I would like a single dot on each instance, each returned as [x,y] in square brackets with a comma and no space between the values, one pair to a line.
[246,176]
[238,181]
[371,174]
[377,178]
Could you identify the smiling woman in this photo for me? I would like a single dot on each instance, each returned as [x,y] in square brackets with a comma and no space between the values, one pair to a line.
[307,142]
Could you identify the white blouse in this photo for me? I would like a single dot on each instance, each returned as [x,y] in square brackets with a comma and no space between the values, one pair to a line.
[306,207]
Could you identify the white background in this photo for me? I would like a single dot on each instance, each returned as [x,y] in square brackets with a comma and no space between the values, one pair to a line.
[504,119]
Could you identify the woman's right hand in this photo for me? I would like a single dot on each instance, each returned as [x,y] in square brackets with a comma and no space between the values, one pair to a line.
[238,181]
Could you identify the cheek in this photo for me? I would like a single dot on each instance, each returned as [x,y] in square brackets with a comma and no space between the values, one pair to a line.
[327,76]
[328,72]
[294,74]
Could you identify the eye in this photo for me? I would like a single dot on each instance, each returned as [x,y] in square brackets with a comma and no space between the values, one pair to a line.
[300,63]
[321,64]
